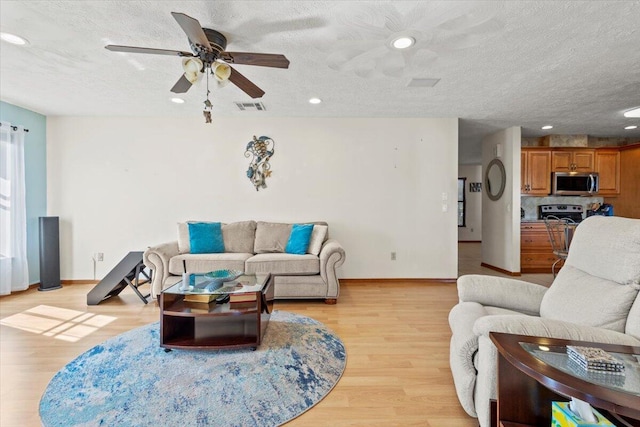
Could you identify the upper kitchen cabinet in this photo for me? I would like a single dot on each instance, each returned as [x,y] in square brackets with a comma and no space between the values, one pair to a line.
[535,178]
[607,164]
[572,160]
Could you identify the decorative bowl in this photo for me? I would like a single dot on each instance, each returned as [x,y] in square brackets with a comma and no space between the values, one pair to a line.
[223,275]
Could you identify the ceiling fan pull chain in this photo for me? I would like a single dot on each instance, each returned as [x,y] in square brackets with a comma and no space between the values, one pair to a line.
[207,104]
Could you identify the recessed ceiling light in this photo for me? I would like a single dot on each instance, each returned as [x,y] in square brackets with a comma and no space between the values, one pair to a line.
[547,127]
[315,101]
[633,113]
[631,127]
[403,42]
[177,100]
[13,39]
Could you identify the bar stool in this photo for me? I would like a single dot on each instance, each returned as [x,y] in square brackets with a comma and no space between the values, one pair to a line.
[560,232]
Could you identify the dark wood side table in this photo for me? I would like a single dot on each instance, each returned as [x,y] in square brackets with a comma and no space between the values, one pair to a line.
[533,372]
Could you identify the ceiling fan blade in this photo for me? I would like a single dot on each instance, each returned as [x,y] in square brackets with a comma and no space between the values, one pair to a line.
[182,85]
[261,59]
[193,29]
[133,49]
[245,84]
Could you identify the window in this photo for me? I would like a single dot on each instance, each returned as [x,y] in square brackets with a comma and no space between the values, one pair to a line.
[461,202]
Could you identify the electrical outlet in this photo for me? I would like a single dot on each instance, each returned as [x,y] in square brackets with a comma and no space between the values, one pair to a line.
[393,256]
[99,256]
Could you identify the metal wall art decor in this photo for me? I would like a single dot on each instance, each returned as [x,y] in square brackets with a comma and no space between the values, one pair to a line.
[475,187]
[260,150]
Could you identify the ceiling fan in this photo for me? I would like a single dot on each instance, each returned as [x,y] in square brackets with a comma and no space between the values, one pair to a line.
[208,53]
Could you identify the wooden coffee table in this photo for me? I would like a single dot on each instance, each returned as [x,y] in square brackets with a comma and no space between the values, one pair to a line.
[240,322]
[534,371]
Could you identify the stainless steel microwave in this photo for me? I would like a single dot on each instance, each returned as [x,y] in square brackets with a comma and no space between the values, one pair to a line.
[574,183]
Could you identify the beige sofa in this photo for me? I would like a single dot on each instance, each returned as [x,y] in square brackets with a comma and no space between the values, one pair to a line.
[595,297]
[255,247]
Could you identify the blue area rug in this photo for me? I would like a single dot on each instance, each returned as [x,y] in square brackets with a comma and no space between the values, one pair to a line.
[129,380]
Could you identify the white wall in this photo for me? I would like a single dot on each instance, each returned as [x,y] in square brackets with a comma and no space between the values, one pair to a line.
[472,231]
[121,184]
[501,218]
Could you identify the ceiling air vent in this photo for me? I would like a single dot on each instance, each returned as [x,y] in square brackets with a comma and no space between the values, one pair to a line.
[249,106]
[423,82]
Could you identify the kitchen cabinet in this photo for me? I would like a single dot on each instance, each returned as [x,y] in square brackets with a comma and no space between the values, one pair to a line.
[607,164]
[577,160]
[536,254]
[535,167]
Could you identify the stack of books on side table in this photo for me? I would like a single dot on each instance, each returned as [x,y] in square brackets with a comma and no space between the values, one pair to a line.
[199,303]
[239,301]
[595,359]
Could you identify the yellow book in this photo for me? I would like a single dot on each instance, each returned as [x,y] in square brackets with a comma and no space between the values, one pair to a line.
[198,307]
[200,297]
[252,296]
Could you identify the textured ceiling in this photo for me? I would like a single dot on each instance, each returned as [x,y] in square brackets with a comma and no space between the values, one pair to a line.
[575,65]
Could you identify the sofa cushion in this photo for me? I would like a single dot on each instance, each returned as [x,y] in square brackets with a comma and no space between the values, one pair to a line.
[276,263]
[271,237]
[299,239]
[239,236]
[204,263]
[578,297]
[205,238]
[183,237]
[318,236]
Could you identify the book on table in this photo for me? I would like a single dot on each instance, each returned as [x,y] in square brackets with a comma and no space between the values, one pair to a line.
[595,359]
[198,307]
[200,297]
[243,297]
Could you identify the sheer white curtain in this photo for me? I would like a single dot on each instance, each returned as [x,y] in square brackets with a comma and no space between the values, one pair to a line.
[14,272]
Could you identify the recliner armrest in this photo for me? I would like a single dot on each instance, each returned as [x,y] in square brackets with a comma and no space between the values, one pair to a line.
[511,294]
[550,328]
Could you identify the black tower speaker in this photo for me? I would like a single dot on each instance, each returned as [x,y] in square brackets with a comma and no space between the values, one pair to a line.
[49,254]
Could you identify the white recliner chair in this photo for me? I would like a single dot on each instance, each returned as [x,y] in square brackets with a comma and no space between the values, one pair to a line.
[595,297]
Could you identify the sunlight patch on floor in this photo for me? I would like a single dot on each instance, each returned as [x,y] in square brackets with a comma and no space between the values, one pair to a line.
[58,323]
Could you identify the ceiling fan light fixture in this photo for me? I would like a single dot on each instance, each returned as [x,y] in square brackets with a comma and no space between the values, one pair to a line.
[221,71]
[634,113]
[631,127]
[177,100]
[192,65]
[315,101]
[547,127]
[192,77]
[13,39]
[403,42]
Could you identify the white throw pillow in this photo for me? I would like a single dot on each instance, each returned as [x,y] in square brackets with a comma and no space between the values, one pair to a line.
[184,246]
[318,235]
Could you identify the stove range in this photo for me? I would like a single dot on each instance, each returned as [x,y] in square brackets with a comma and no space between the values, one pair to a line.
[573,212]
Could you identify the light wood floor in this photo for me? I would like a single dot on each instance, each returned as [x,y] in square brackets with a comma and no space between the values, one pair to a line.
[396,335]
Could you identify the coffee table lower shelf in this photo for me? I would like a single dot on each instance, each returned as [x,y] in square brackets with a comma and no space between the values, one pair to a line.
[205,332]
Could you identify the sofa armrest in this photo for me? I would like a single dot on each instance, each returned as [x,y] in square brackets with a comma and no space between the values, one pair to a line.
[550,328]
[331,256]
[511,294]
[156,258]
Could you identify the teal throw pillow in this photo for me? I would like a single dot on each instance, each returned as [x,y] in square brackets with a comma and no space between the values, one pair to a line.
[205,238]
[299,239]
